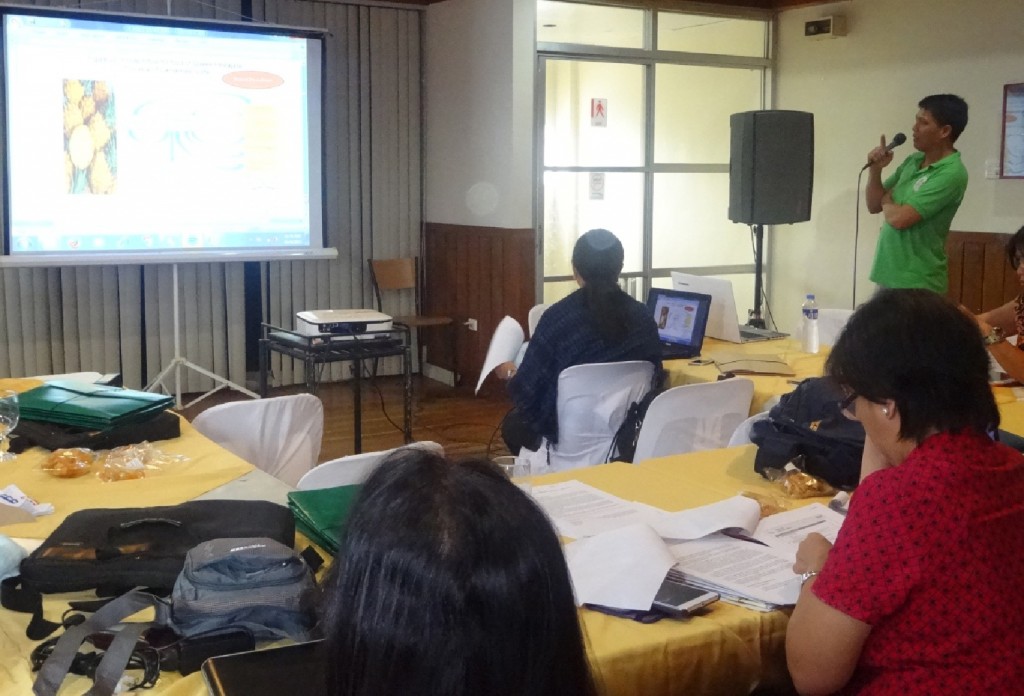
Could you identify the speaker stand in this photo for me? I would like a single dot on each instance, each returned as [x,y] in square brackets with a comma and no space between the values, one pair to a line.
[179,362]
[755,318]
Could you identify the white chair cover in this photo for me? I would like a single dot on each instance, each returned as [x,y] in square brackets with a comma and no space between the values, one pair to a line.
[534,316]
[741,436]
[354,468]
[280,435]
[831,323]
[592,403]
[693,417]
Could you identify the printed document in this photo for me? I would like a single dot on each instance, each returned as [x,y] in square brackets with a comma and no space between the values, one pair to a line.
[579,510]
[507,345]
[626,547]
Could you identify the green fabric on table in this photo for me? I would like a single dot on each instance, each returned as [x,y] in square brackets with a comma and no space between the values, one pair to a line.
[90,406]
[321,513]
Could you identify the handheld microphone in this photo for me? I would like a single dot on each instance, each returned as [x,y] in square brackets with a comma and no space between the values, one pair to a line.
[896,141]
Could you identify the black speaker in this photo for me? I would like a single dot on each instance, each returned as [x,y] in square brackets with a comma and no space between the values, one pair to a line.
[771,167]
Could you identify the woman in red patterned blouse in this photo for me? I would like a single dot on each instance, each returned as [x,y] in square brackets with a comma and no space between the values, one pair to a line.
[921,593]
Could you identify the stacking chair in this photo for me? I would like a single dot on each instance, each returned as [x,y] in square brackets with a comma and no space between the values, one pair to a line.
[280,435]
[403,274]
[533,318]
[355,468]
[741,436]
[693,417]
[592,403]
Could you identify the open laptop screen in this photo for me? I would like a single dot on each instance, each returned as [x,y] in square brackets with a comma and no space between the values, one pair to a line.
[681,316]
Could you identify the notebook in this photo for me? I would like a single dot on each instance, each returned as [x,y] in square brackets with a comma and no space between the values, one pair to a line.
[681,318]
[723,321]
[297,669]
[321,513]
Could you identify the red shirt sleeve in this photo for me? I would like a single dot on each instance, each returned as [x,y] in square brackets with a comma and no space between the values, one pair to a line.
[881,551]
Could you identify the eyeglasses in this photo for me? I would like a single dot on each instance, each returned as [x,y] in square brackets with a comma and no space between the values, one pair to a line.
[846,404]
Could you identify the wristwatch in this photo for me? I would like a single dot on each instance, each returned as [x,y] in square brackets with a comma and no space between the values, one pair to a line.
[995,335]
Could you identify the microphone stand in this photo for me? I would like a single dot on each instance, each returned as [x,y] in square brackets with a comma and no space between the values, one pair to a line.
[755,319]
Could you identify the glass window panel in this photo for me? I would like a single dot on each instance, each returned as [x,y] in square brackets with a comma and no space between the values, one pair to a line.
[692,108]
[571,136]
[557,290]
[568,22]
[718,35]
[691,225]
[569,211]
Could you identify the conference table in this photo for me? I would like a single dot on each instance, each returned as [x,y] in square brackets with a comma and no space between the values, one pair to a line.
[766,386]
[725,650]
[1009,397]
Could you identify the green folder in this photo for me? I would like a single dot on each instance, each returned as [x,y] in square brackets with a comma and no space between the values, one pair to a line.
[321,514]
[89,406]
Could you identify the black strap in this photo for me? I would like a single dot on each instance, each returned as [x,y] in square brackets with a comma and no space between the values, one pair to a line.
[17,596]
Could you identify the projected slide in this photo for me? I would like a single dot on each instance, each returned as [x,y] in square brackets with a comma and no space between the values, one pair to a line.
[129,137]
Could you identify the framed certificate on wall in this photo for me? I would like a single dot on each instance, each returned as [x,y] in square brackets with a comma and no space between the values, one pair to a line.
[1011,164]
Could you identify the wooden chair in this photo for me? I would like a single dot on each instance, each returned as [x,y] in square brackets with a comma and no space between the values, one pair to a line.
[403,274]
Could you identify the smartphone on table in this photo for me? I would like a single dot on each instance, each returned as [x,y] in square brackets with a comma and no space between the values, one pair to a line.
[677,598]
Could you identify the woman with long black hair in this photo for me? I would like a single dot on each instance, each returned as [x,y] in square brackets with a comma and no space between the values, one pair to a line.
[595,324]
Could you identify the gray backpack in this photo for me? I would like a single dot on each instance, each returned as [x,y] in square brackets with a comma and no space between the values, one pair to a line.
[255,582]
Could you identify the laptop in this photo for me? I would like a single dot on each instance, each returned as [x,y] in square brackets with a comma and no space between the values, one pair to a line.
[681,317]
[723,321]
[299,669]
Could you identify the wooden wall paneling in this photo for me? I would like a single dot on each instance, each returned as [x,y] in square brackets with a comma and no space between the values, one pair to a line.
[482,273]
[980,277]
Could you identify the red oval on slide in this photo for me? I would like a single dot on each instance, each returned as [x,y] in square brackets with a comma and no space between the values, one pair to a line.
[253,79]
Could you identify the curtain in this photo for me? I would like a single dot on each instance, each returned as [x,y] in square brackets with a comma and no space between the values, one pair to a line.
[121,318]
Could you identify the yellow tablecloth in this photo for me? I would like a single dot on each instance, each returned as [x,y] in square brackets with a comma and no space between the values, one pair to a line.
[681,372]
[1011,408]
[726,650]
[207,467]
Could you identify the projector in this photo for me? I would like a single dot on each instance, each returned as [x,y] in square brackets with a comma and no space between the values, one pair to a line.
[347,323]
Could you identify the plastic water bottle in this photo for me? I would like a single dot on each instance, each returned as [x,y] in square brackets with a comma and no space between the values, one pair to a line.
[810,325]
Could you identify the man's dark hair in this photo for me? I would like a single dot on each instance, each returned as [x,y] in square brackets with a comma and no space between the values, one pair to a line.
[947,110]
[450,581]
[918,349]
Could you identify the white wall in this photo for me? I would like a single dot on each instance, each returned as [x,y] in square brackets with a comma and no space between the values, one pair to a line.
[478,75]
[868,83]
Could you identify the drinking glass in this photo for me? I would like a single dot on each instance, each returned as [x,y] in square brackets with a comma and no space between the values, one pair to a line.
[517,469]
[8,420]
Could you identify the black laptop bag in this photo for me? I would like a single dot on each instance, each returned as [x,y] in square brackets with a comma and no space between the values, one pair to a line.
[114,550]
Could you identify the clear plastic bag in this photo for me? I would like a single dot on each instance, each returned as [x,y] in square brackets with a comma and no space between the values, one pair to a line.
[133,462]
[796,483]
[70,462]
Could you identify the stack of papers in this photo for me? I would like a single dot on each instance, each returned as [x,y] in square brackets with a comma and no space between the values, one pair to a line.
[624,549]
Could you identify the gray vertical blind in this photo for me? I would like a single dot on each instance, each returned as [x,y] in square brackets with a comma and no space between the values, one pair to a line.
[106,318]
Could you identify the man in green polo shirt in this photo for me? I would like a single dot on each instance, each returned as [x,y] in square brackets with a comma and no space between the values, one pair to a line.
[919,199]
